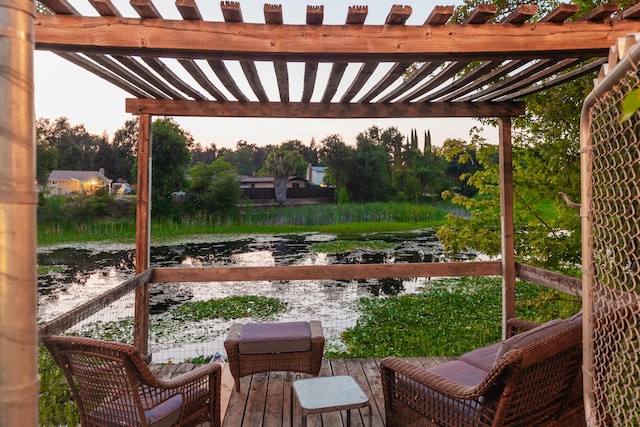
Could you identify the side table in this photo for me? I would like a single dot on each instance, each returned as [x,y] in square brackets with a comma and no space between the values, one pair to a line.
[324,394]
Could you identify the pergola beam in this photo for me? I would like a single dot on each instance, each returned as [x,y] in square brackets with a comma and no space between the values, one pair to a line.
[235,40]
[166,107]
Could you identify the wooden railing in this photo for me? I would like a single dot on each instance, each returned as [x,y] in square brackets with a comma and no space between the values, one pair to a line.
[563,283]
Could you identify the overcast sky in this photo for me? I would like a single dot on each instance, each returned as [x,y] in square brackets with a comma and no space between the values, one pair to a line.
[64,89]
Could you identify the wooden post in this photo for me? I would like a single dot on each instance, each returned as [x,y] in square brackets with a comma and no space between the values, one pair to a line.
[143,233]
[19,382]
[506,219]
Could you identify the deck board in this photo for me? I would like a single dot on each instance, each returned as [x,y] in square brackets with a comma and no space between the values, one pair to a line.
[265,399]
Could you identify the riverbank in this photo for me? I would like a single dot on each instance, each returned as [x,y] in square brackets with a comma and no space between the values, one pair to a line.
[335,219]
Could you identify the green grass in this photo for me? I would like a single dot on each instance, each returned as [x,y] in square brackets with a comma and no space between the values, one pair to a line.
[336,219]
[257,307]
[448,318]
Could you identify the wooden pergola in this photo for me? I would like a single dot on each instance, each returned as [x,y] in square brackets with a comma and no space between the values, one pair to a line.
[482,67]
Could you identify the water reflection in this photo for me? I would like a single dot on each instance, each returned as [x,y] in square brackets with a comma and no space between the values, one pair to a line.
[83,273]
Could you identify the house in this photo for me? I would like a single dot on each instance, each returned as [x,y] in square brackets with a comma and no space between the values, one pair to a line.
[315,174]
[64,182]
[267,182]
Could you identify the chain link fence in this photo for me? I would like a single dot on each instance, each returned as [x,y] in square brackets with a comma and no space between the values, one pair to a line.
[612,259]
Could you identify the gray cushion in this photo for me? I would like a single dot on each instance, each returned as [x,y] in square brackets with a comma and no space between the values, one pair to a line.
[166,414]
[460,372]
[283,337]
[531,336]
[483,358]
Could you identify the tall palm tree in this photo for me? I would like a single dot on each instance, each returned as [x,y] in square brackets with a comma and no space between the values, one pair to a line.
[282,163]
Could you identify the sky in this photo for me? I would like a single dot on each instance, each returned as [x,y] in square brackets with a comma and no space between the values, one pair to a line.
[63,89]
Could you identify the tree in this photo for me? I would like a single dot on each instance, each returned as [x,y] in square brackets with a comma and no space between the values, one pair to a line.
[214,187]
[545,162]
[281,164]
[248,158]
[170,157]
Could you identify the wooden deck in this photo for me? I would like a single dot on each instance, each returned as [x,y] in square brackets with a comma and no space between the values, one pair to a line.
[265,399]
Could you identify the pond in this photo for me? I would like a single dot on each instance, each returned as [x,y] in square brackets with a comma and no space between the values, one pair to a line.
[74,274]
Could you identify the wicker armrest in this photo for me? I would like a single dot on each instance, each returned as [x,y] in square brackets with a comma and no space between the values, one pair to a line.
[516,326]
[392,366]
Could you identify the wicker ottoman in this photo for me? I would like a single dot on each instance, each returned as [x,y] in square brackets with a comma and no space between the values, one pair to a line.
[283,346]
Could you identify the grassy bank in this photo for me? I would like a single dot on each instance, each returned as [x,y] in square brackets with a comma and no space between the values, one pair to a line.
[337,219]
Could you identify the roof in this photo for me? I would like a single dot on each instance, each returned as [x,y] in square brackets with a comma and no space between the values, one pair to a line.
[82,176]
[246,179]
[182,67]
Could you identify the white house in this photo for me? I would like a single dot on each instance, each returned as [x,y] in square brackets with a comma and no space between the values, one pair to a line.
[63,182]
[315,174]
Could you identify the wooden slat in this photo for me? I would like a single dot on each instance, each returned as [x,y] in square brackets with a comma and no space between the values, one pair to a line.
[528,71]
[527,77]
[561,282]
[273,16]
[127,74]
[231,11]
[335,76]
[347,272]
[466,79]
[145,8]
[561,13]
[105,7]
[196,72]
[62,7]
[523,13]
[357,372]
[189,10]
[253,77]
[416,77]
[356,15]
[554,81]
[631,13]
[310,73]
[221,71]
[481,14]
[148,76]
[159,67]
[104,74]
[389,78]
[365,71]
[600,13]
[439,15]
[315,15]
[439,78]
[398,15]
[320,110]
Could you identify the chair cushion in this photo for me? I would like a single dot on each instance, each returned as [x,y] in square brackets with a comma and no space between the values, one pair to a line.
[483,358]
[166,414]
[460,372]
[282,337]
[531,336]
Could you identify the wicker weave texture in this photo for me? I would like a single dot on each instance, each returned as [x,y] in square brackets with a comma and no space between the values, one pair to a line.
[536,385]
[112,384]
[308,362]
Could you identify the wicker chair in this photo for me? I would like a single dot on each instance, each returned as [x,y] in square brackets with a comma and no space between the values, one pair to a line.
[537,383]
[112,385]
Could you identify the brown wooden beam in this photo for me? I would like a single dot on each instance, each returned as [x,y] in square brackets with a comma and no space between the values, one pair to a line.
[324,272]
[164,107]
[507,223]
[233,40]
[560,282]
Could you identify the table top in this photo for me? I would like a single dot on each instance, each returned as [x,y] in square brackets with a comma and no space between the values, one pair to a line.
[335,392]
